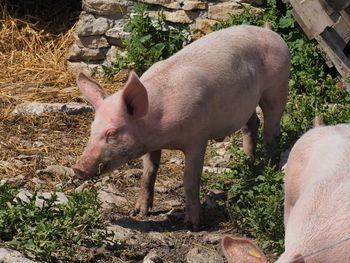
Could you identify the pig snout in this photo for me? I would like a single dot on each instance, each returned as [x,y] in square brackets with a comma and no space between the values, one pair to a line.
[80,172]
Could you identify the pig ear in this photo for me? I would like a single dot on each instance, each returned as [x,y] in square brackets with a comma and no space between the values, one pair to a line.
[91,90]
[238,250]
[135,96]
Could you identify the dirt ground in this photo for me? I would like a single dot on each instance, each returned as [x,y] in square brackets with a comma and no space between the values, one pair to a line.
[32,142]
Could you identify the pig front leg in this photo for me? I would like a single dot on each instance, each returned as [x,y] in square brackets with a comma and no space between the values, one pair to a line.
[194,159]
[250,135]
[145,198]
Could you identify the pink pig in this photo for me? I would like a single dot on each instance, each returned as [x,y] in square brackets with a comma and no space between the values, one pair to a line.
[317,202]
[206,91]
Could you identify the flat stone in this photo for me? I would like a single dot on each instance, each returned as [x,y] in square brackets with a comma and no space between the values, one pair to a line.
[176,160]
[88,25]
[133,173]
[103,7]
[178,16]
[223,11]
[27,108]
[77,53]
[56,170]
[110,200]
[213,239]
[194,4]
[91,41]
[173,4]
[199,255]
[205,25]
[40,201]
[120,233]
[217,161]
[84,66]
[217,170]
[12,256]
[152,257]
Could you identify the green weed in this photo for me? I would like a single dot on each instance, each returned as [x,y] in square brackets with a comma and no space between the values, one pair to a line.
[55,231]
[150,41]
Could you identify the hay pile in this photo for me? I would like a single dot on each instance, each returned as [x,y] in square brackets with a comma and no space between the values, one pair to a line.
[33,68]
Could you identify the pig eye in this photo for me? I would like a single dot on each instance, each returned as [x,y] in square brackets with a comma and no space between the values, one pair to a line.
[110,134]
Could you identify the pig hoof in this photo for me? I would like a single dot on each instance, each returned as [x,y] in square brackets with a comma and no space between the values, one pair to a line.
[140,212]
[194,227]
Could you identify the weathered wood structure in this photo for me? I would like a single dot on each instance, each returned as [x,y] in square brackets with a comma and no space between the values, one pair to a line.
[327,21]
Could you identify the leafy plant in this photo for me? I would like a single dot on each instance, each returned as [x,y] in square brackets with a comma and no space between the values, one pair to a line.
[150,41]
[54,231]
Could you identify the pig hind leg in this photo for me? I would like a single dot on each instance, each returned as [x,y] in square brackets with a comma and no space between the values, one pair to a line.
[250,135]
[150,168]
[272,103]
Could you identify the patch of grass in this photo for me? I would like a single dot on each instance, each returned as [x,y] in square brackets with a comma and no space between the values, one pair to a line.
[255,191]
[54,232]
[150,41]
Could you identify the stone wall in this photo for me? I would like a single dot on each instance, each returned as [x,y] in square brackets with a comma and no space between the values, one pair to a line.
[99,32]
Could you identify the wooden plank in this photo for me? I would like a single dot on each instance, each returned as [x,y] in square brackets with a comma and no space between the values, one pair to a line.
[329,10]
[313,15]
[343,29]
[339,59]
[301,23]
[338,5]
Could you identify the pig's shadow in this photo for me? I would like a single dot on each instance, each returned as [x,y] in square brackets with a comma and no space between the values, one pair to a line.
[173,220]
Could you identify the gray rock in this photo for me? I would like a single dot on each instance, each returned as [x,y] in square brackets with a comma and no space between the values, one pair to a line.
[176,160]
[91,42]
[213,239]
[199,255]
[152,257]
[111,55]
[174,4]
[25,196]
[156,236]
[217,170]
[217,161]
[110,200]
[27,108]
[161,189]
[211,199]
[37,181]
[103,7]
[173,203]
[88,25]
[56,170]
[133,173]
[12,256]
[77,53]
[116,34]
[222,11]
[40,199]
[121,234]
[84,66]
[194,4]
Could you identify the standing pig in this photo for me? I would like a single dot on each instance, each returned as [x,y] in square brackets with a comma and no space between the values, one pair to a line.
[317,202]
[206,91]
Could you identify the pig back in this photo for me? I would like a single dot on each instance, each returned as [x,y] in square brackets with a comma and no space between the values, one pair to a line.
[219,79]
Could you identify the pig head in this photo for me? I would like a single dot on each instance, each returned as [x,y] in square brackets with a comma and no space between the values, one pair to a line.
[206,91]
[317,201]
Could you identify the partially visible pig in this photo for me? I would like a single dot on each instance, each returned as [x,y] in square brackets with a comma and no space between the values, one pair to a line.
[206,91]
[317,201]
